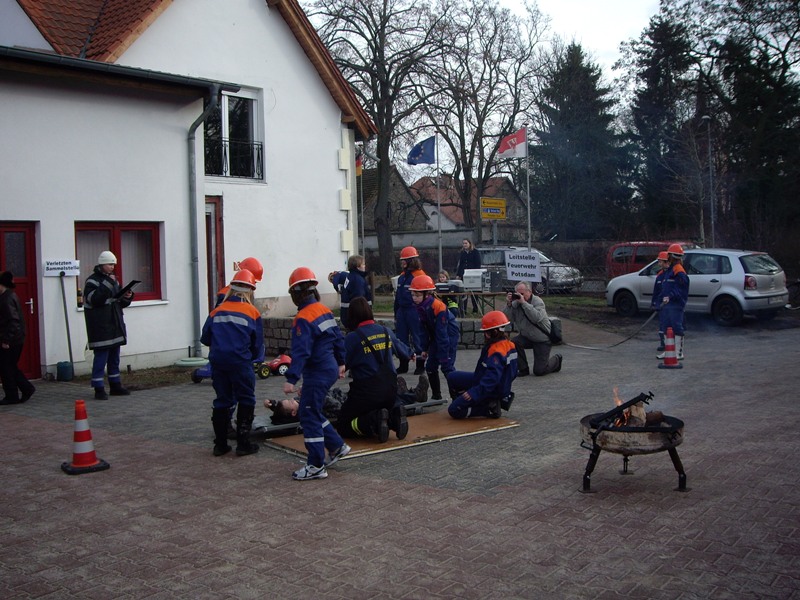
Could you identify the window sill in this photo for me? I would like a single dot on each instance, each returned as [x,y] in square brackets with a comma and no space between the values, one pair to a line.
[137,303]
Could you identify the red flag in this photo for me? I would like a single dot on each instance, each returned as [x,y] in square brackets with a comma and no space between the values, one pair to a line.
[514,145]
[359,164]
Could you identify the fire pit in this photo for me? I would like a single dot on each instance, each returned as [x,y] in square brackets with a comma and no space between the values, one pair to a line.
[627,430]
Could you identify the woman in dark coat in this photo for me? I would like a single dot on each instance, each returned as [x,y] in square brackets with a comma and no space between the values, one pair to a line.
[468,258]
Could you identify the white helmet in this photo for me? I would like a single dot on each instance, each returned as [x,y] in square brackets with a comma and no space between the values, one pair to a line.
[106,258]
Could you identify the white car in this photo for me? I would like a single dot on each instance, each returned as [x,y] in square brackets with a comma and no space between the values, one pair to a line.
[726,284]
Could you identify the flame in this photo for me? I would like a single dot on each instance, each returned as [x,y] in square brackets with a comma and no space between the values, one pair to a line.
[623,418]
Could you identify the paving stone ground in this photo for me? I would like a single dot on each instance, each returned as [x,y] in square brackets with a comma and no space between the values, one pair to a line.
[499,515]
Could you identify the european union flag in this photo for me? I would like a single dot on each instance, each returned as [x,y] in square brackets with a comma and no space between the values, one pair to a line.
[423,153]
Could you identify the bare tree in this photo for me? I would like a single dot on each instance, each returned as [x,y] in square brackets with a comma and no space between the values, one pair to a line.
[479,87]
[380,46]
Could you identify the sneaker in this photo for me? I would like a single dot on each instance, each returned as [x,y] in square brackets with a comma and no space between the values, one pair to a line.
[398,422]
[421,391]
[336,455]
[310,472]
[661,355]
[402,386]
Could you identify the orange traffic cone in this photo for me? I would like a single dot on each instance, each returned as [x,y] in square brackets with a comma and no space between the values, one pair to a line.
[670,357]
[84,460]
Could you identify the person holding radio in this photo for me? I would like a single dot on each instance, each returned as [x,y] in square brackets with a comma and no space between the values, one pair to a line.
[528,314]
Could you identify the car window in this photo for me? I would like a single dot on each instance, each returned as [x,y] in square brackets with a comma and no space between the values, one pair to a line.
[650,270]
[707,264]
[759,264]
[647,253]
[622,254]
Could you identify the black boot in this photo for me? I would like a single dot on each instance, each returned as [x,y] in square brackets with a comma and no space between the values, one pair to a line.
[436,386]
[420,366]
[244,421]
[421,391]
[219,419]
[403,368]
[379,424]
[117,389]
[100,394]
[398,421]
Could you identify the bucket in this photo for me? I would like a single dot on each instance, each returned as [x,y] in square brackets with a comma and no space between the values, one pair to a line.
[64,371]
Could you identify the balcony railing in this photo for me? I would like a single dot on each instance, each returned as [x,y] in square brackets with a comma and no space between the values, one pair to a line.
[234,158]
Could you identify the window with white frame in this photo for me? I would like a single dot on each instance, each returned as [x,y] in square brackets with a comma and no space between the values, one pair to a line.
[136,246]
[232,144]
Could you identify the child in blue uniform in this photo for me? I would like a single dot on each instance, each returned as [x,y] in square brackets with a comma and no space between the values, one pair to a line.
[480,394]
[317,357]
[439,334]
[674,295]
[235,335]
[351,284]
[406,318]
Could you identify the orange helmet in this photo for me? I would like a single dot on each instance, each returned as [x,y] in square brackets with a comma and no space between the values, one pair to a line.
[253,265]
[244,280]
[408,252]
[422,283]
[494,320]
[302,275]
[663,255]
[675,251]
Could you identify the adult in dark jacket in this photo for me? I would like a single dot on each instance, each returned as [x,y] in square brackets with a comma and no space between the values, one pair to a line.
[16,386]
[468,258]
[105,324]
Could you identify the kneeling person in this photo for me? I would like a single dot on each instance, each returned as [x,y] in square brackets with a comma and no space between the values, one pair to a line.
[479,394]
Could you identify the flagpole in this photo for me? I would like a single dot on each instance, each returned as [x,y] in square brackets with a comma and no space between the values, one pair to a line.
[438,202]
[528,174]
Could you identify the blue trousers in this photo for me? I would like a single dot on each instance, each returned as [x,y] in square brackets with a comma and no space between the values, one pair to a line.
[318,433]
[234,383]
[407,327]
[671,315]
[105,357]
[460,408]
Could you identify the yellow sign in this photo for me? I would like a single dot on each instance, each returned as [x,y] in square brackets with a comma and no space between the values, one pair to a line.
[493,208]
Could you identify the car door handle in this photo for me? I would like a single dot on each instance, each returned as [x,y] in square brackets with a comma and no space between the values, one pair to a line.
[714,280]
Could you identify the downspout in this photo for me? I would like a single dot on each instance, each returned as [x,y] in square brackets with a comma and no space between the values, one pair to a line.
[215,91]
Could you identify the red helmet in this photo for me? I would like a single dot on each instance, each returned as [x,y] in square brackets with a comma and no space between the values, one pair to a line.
[408,252]
[663,255]
[243,278]
[675,251]
[253,265]
[494,320]
[422,283]
[302,275]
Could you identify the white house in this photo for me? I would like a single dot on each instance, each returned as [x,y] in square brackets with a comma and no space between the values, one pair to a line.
[183,135]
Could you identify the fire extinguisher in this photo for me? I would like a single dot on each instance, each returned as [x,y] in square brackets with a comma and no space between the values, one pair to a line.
[80,298]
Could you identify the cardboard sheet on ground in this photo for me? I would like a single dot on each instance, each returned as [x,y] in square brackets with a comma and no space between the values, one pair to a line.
[422,429]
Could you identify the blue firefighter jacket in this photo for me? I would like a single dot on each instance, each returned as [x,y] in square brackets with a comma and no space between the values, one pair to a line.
[234,332]
[317,344]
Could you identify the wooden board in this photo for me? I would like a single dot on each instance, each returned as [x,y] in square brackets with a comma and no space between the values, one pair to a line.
[427,428]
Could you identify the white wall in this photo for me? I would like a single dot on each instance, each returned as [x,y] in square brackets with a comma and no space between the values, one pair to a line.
[101,157]
[294,217]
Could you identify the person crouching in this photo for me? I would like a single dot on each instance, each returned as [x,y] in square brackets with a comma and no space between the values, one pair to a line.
[235,335]
[481,394]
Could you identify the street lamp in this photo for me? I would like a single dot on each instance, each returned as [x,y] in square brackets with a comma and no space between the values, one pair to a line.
[711,194]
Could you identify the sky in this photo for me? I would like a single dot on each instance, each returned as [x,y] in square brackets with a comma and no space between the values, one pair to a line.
[598,25]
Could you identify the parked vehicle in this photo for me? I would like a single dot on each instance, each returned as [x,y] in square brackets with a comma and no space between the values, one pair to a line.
[627,257]
[727,284]
[556,276]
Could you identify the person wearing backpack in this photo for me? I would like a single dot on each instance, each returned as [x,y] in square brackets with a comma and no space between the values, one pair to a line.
[528,314]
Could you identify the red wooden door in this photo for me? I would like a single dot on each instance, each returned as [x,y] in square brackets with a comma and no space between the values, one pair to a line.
[18,255]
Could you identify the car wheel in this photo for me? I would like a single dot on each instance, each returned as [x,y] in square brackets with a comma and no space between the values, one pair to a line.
[263,371]
[540,287]
[195,377]
[625,303]
[726,311]
[282,369]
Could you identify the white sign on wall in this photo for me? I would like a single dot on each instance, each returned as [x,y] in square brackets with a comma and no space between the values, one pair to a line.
[523,266]
[70,267]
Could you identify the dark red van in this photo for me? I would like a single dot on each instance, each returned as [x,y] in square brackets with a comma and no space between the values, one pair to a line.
[627,257]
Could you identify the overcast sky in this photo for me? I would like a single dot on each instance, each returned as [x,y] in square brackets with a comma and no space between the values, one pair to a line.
[598,25]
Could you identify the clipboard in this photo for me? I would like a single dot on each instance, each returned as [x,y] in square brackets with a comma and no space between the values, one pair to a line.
[131,284]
